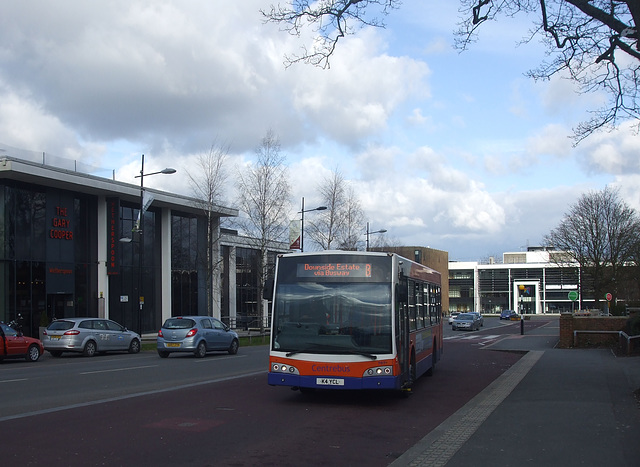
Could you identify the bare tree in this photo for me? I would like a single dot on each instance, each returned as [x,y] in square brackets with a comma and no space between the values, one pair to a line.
[264,193]
[207,184]
[600,233]
[592,42]
[324,228]
[331,19]
[353,228]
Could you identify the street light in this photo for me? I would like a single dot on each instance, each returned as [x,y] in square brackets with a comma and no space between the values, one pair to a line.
[140,233]
[302,211]
[376,232]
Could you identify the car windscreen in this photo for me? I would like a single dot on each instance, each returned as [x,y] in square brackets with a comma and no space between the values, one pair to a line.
[178,323]
[60,325]
[465,317]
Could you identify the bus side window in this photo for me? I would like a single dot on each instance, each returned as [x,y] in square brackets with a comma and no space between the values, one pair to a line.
[419,306]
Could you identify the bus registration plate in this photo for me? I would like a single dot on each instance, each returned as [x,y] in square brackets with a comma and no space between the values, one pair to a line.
[330,381]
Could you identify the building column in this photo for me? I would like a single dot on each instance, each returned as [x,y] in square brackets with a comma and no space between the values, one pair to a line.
[476,288]
[103,278]
[216,268]
[232,287]
[165,263]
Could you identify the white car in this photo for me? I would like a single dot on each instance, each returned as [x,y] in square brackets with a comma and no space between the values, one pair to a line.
[452,316]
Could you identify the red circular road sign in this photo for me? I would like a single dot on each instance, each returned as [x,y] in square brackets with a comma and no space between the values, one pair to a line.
[609,297]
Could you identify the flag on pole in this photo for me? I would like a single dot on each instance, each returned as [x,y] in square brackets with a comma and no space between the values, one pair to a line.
[147,199]
[294,234]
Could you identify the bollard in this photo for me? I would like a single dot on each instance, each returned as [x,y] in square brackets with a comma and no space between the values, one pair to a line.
[522,325]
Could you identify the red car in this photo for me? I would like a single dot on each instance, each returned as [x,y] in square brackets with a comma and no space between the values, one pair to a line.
[14,345]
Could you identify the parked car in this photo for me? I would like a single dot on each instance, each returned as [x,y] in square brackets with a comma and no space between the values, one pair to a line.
[196,334]
[479,317]
[507,314]
[466,321]
[89,335]
[452,316]
[14,345]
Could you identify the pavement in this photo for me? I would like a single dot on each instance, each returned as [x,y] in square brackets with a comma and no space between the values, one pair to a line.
[554,407]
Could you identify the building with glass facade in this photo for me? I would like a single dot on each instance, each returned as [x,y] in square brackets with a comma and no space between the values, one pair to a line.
[70,246]
[528,282]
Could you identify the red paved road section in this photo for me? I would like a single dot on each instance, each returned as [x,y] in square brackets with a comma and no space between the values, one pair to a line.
[245,422]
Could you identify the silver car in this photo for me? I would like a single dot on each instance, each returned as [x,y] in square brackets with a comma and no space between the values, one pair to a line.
[88,335]
[465,321]
[479,318]
[196,334]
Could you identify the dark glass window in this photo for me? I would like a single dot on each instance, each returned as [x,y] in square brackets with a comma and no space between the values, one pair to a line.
[247,267]
[184,265]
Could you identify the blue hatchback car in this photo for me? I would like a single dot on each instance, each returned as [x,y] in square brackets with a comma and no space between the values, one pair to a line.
[508,314]
[195,334]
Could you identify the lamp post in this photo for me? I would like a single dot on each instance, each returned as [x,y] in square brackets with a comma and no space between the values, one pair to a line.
[302,211]
[369,233]
[141,236]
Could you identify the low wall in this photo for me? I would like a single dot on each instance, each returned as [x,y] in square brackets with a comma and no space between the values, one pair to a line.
[602,330]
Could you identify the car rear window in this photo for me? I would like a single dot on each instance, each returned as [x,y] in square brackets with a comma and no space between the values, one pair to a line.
[60,325]
[178,323]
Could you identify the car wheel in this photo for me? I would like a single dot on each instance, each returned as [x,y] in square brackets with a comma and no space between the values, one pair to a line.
[163,353]
[55,353]
[134,347]
[233,348]
[201,350]
[33,354]
[89,349]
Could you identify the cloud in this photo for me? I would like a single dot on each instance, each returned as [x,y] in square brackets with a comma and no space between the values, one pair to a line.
[551,139]
[614,152]
[357,95]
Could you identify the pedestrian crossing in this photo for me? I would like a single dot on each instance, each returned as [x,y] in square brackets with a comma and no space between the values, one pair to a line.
[473,337]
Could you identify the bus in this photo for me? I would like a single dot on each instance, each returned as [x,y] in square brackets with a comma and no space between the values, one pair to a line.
[353,320]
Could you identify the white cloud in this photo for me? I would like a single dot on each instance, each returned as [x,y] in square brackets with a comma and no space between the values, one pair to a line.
[356,97]
[615,152]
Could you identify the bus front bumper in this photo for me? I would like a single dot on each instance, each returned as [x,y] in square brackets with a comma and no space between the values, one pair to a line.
[332,382]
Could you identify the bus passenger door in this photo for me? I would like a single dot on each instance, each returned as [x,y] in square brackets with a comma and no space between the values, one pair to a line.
[402,333]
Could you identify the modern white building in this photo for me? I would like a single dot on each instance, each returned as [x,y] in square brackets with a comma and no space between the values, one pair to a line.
[530,282]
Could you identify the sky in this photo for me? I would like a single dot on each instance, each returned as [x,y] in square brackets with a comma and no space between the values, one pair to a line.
[455,151]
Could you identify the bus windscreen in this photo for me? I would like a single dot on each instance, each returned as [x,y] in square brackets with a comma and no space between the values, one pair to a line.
[333,318]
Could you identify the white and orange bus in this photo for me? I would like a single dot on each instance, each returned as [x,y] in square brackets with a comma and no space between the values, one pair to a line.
[353,320]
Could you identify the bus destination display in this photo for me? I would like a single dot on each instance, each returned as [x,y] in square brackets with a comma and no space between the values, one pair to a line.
[334,270]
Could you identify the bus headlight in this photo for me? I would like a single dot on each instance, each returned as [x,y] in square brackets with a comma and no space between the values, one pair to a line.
[284,368]
[378,371]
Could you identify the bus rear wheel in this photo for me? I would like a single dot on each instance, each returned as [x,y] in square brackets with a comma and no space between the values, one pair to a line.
[434,359]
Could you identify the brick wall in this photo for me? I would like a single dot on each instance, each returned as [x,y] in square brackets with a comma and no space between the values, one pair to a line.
[570,323]
[435,259]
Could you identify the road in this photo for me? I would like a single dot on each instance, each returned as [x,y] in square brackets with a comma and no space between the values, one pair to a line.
[139,409]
